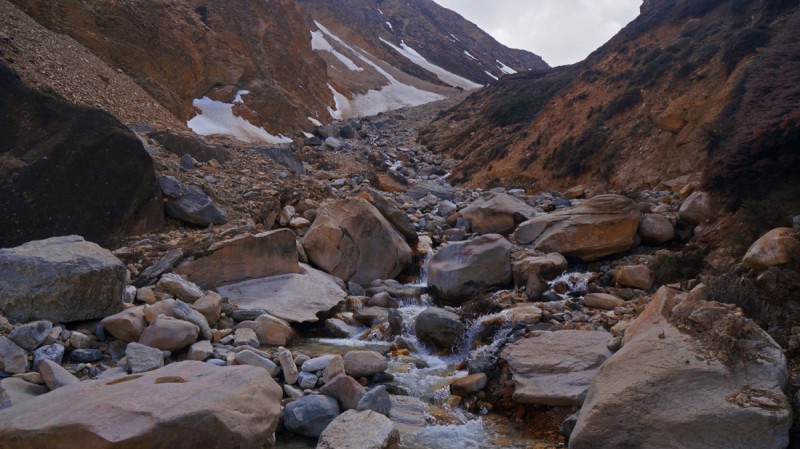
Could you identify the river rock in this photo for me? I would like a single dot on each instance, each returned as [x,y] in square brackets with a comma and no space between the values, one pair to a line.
[244,257]
[200,351]
[13,358]
[54,352]
[148,277]
[163,307]
[384,300]
[497,213]
[371,316]
[86,355]
[307,381]
[55,376]
[245,337]
[551,264]
[210,306]
[681,388]
[375,431]
[603,301]
[408,414]
[468,385]
[360,364]
[334,368]
[15,391]
[635,276]
[310,415]
[377,400]
[438,327]
[169,334]
[344,389]
[354,242]
[272,331]
[170,407]
[656,229]
[774,248]
[294,298]
[30,336]
[248,357]
[195,207]
[143,358]
[60,279]
[556,368]
[698,208]
[127,325]
[180,287]
[183,311]
[317,364]
[287,365]
[422,189]
[459,270]
[598,227]
[337,328]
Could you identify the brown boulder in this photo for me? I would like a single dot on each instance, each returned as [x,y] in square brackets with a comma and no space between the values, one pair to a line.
[245,257]
[210,306]
[596,228]
[698,208]
[169,334]
[636,276]
[194,146]
[497,213]
[272,331]
[344,389]
[127,325]
[774,248]
[602,301]
[657,311]
[656,229]
[388,183]
[396,217]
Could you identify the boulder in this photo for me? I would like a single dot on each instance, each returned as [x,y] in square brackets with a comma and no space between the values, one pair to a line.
[556,368]
[422,189]
[180,287]
[467,385]
[15,391]
[460,269]
[698,208]
[148,277]
[377,400]
[200,351]
[127,325]
[635,276]
[169,334]
[371,316]
[598,227]
[344,389]
[163,307]
[194,146]
[353,241]
[396,217]
[384,300]
[294,298]
[657,310]
[310,415]
[244,257]
[393,182]
[67,145]
[55,376]
[13,359]
[360,364]
[656,229]
[248,357]
[61,279]
[497,213]
[184,312]
[285,157]
[210,306]
[334,368]
[245,337]
[602,301]
[549,265]
[183,405]
[272,331]
[673,119]
[54,352]
[195,207]
[289,368]
[317,364]
[677,385]
[438,327]
[374,431]
[774,248]
[143,358]
[337,328]
[30,336]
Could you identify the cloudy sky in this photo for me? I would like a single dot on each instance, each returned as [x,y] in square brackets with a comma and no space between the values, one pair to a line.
[560,31]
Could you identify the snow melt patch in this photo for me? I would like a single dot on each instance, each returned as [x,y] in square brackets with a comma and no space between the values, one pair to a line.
[342,104]
[449,78]
[457,39]
[390,25]
[319,43]
[495,78]
[217,118]
[469,55]
[314,121]
[239,94]
[506,69]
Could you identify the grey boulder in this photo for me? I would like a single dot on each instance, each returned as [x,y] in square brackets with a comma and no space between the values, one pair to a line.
[310,415]
[438,327]
[195,207]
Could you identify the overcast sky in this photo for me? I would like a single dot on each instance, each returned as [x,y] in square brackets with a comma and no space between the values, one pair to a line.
[560,31]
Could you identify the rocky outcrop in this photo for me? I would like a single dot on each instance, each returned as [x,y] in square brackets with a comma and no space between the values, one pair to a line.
[353,241]
[375,431]
[599,227]
[245,257]
[294,298]
[61,279]
[497,213]
[774,248]
[90,191]
[556,368]
[174,406]
[460,269]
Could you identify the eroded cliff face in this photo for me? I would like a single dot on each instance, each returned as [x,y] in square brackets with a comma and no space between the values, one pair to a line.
[645,108]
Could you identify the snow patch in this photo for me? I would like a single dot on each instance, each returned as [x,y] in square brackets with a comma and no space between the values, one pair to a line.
[469,55]
[314,121]
[390,25]
[506,69]
[216,118]
[379,10]
[487,72]
[319,43]
[342,104]
[449,78]
[308,135]
[239,94]
[457,39]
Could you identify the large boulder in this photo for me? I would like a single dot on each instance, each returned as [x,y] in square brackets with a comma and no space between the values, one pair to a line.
[396,217]
[272,331]
[497,213]
[353,241]
[196,207]
[310,415]
[556,368]
[596,228]
[438,327]
[127,325]
[183,405]
[698,208]
[545,266]
[15,391]
[460,269]
[360,364]
[656,229]
[359,430]
[245,257]
[61,279]
[636,276]
[698,375]
[344,389]
[194,146]
[169,334]
[774,248]
[294,298]
[59,177]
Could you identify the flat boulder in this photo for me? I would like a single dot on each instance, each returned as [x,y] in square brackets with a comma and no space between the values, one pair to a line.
[294,298]
[556,368]
[497,213]
[244,257]
[774,248]
[460,269]
[547,265]
[353,241]
[422,189]
[602,301]
[676,384]
[359,430]
[58,177]
[598,227]
[195,207]
[183,405]
[438,327]
[61,279]
[194,146]
[15,391]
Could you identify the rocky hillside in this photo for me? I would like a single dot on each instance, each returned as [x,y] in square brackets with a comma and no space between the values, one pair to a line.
[701,86]
[263,70]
